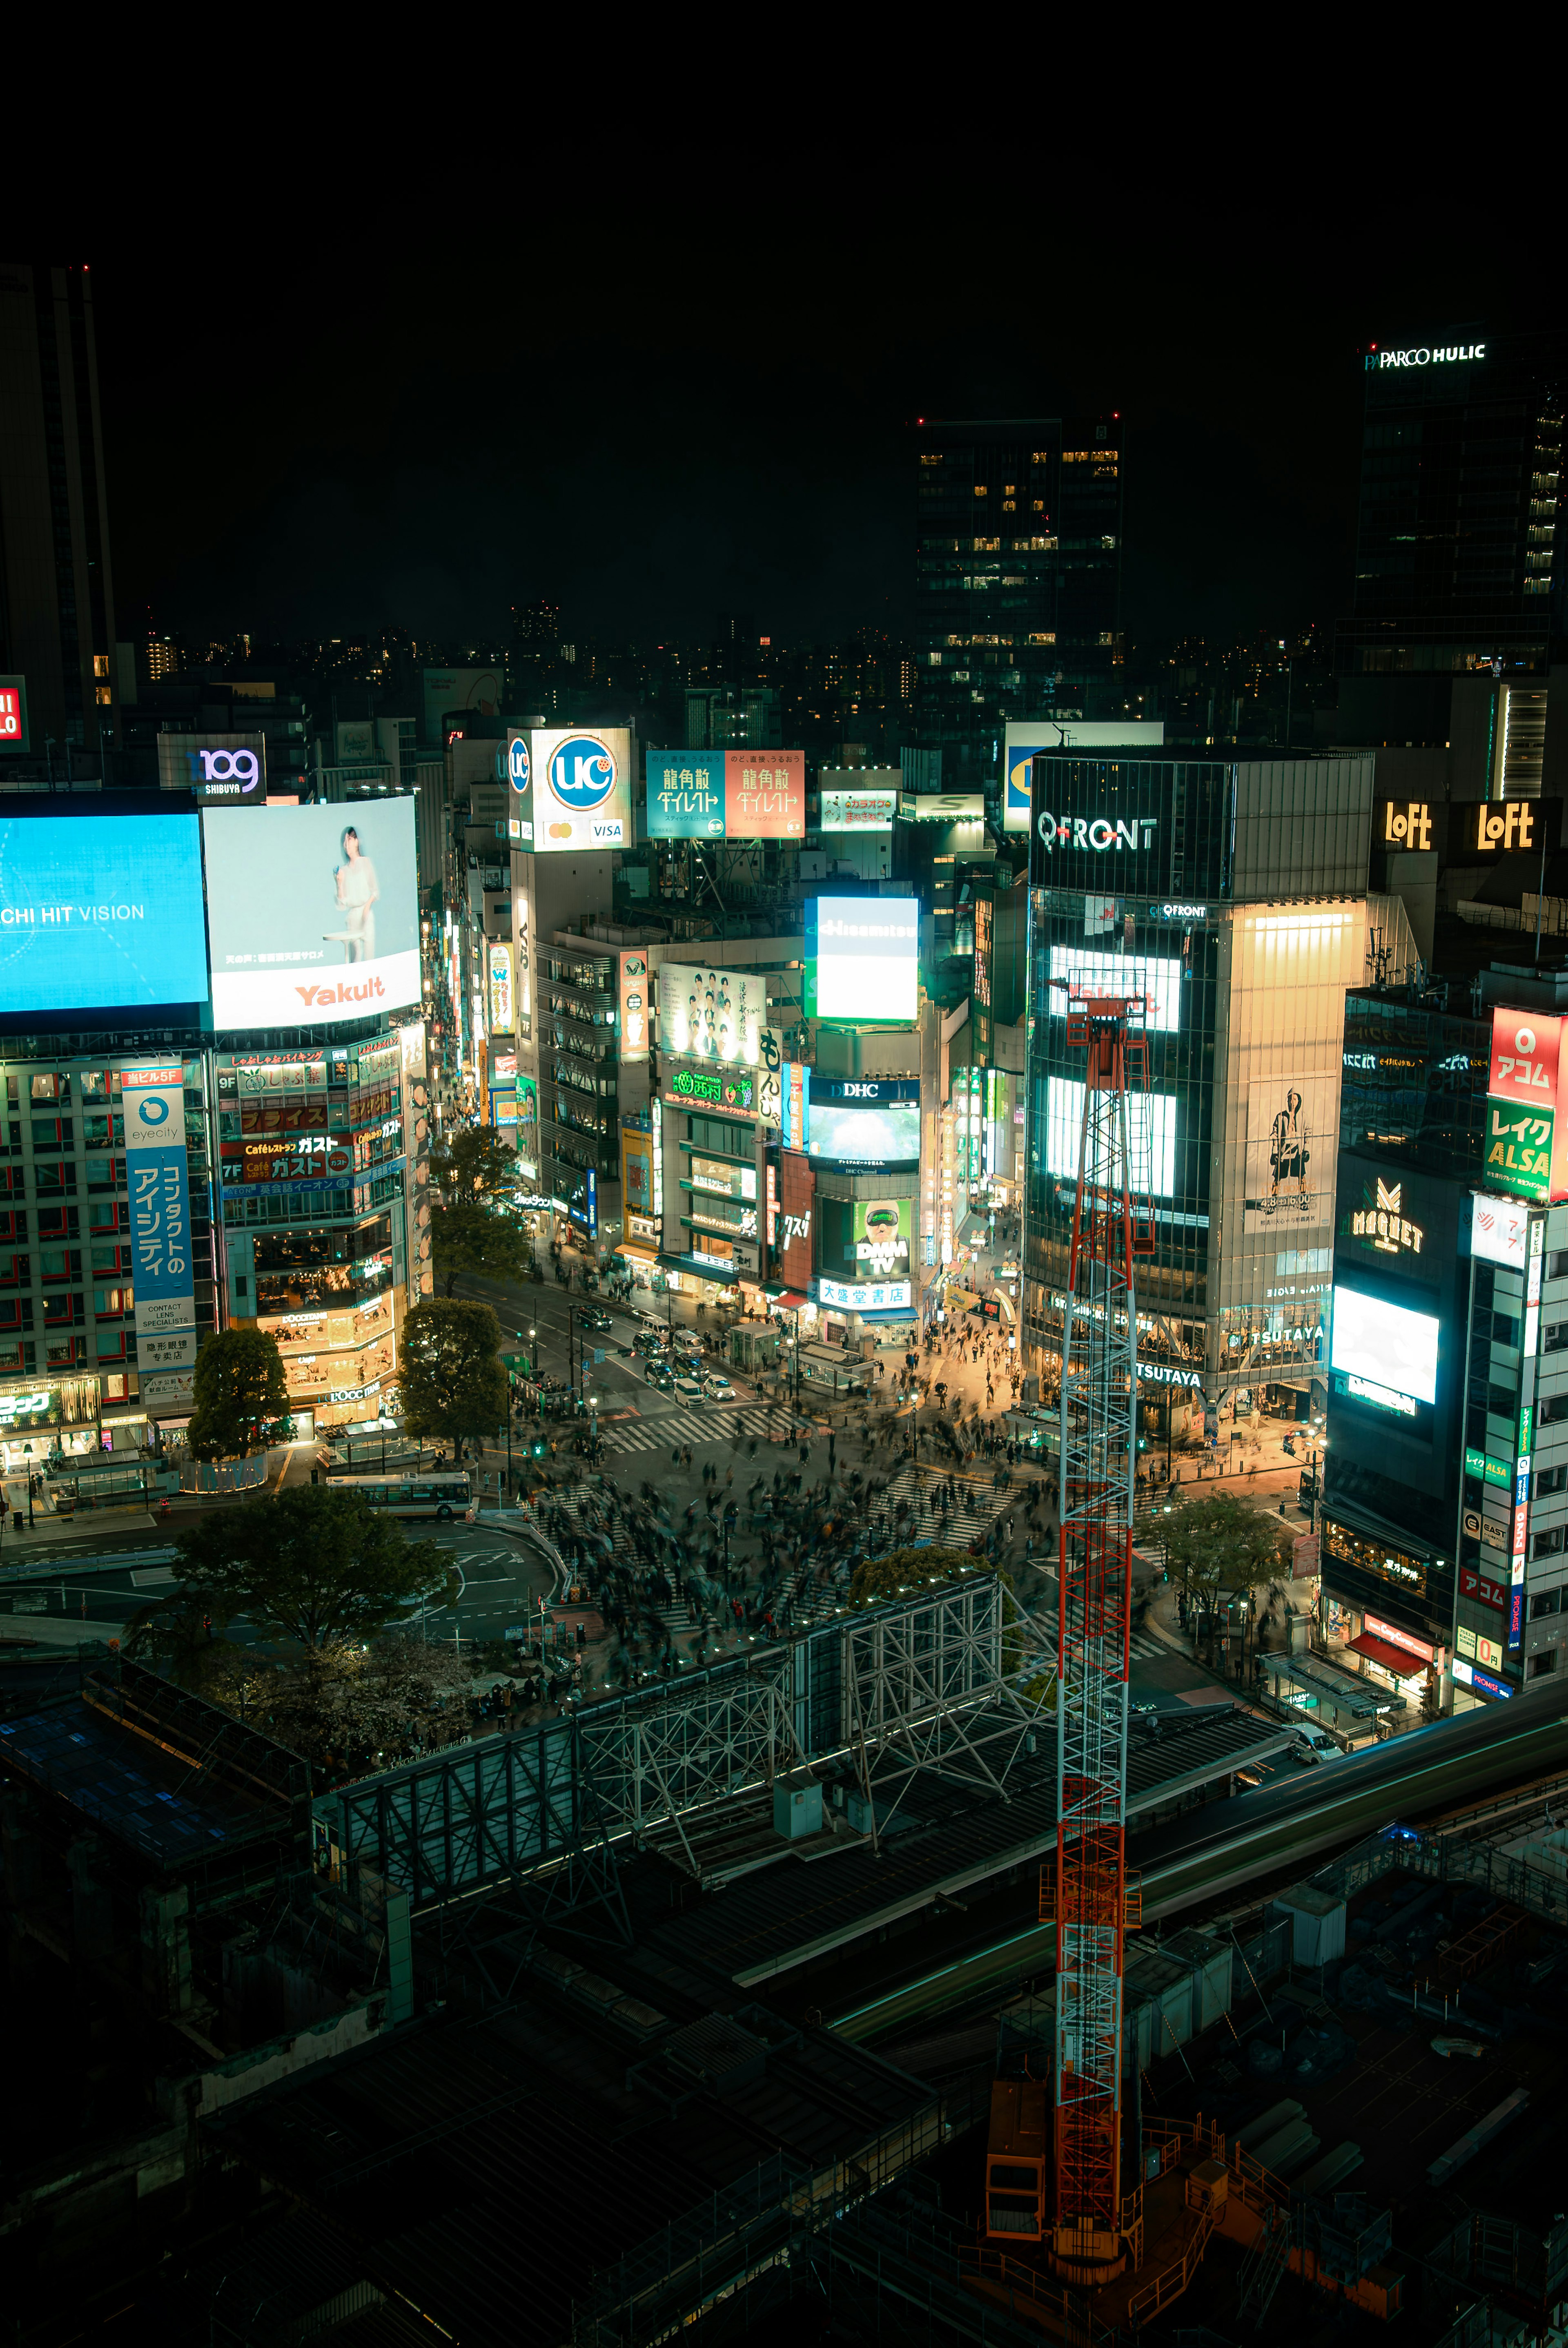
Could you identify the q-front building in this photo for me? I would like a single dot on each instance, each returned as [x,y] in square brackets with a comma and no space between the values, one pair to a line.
[1232,895]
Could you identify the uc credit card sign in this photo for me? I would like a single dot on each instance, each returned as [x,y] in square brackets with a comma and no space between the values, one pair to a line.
[154,1104]
[580,781]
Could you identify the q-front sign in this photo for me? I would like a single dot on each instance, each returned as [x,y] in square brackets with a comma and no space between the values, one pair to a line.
[1136,833]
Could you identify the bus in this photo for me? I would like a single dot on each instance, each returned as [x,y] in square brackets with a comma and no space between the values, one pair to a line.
[441,1492]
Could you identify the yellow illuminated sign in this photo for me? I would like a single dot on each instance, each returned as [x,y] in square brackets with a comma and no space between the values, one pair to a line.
[1409,826]
[1504,826]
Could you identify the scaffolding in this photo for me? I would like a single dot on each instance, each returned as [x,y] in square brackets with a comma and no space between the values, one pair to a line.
[1086,1895]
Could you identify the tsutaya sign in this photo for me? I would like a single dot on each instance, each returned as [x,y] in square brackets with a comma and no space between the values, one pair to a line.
[1425,356]
[1094,831]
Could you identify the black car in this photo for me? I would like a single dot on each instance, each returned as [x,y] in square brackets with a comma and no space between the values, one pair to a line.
[593,1317]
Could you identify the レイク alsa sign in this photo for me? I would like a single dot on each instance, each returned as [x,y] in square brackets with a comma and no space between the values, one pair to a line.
[1097,832]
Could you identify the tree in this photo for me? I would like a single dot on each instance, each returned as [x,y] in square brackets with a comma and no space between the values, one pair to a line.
[315,1564]
[242,1396]
[475,1167]
[1221,1544]
[475,1242]
[451,1380]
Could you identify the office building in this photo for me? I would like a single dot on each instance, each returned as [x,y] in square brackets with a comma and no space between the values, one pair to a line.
[1017,580]
[1455,571]
[1445,1508]
[1232,896]
[57,583]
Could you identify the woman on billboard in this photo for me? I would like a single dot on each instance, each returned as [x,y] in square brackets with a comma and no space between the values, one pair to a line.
[1288,1155]
[357,891]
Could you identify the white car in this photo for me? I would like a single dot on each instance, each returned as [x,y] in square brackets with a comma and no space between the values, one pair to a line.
[1315,1745]
[692,1388]
[717,1388]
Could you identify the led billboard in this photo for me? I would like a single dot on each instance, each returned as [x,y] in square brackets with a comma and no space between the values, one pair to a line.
[581,788]
[1151,1137]
[100,911]
[858,798]
[718,1016]
[726,794]
[13,733]
[861,959]
[310,918]
[1157,977]
[870,1133]
[1388,1353]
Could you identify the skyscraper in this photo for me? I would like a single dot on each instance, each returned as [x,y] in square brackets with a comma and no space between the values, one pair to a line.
[1018,580]
[56,590]
[1461,484]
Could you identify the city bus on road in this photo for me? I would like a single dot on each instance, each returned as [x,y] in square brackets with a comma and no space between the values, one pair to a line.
[443,1492]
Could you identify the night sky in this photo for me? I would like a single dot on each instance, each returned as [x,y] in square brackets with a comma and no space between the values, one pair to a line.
[425,443]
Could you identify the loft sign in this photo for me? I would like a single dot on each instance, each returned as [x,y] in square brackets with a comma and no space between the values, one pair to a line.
[1094,831]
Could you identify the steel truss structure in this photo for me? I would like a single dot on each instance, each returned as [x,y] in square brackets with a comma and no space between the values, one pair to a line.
[1088,1896]
[921,1683]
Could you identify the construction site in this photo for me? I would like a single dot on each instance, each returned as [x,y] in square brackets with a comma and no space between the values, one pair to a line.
[888,1982]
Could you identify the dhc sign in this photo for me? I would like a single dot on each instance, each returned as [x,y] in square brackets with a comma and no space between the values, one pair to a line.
[1096,832]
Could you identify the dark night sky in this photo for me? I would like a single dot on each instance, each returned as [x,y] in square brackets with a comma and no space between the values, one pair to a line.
[424,442]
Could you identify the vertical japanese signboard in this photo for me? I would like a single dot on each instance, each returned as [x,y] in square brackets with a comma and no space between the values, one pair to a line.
[154,1103]
[1526,1141]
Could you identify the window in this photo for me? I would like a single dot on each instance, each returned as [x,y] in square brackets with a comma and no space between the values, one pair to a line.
[1549,1480]
[61,1263]
[1554,1336]
[1545,1602]
[48,1088]
[1554,1409]
[1549,1543]
[1543,1663]
[60,1352]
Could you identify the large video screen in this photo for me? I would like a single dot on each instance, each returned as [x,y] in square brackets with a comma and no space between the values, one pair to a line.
[312,913]
[100,911]
[862,958]
[1158,978]
[1385,1347]
[1151,1137]
[843,1133]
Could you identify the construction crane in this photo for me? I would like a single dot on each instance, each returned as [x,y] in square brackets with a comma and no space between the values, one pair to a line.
[1094,2231]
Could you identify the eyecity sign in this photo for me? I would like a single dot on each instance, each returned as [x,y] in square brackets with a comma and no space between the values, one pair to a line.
[1436,356]
[1094,831]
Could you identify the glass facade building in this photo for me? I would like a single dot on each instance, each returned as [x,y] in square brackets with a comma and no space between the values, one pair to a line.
[1232,896]
[1018,580]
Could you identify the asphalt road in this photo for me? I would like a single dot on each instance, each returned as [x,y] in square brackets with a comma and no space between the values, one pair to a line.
[503,1578]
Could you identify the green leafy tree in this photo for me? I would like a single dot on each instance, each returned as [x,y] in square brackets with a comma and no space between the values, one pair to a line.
[474,1242]
[242,1396]
[317,1564]
[451,1377]
[1221,1545]
[475,1167]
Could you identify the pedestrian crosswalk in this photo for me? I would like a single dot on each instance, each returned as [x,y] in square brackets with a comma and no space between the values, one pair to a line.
[714,1423]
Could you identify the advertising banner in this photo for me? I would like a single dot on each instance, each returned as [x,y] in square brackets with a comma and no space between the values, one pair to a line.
[796,1091]
[764,794]
[1499,1231]
[528,1125]
[797,1195]
[686,794]
[218,767]
[498,955]
[450,692]
[520,789]
[846,809]
[310,918]
[633,983]
[867,1134]
[1520,1149]
[1025,738]
[1292,1142]
[1525,1046]
[717,1015]
[154,1100]
[100,911]
[883,1227]
[581,789]
[13,734]
[734,1090]
[411,1039]
[637,1172]
[861,959]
